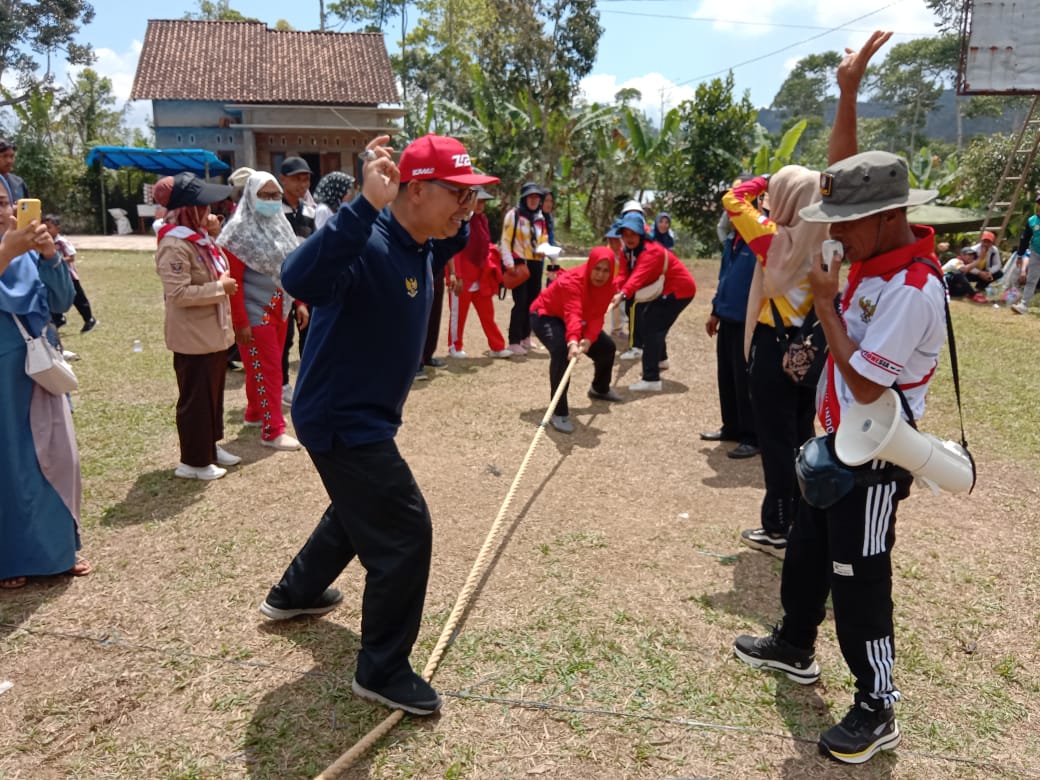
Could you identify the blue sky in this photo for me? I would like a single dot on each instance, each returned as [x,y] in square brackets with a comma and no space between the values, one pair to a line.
[663,48]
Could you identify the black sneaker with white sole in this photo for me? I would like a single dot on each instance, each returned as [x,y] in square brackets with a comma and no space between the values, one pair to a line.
[772,652]
[274,608]
[861,734]
[761,539]
[404,691]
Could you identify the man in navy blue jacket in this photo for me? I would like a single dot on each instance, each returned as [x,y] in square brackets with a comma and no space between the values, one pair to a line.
[371,268]
[728,310]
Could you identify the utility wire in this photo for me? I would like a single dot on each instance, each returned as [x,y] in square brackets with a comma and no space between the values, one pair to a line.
[761,57]
[747,23]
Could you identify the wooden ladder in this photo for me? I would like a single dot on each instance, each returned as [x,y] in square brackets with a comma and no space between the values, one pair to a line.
[1019,163]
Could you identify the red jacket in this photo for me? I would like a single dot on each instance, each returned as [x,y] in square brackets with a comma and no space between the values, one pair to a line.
[649,265]
[480,260]
[573,299]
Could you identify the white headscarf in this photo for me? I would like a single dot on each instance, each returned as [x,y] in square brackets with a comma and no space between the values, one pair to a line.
[262,243]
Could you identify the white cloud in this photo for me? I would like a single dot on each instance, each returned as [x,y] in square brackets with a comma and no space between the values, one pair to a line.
[120,67]
[656,92]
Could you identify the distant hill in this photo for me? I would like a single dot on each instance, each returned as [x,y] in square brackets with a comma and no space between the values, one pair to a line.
[942,123]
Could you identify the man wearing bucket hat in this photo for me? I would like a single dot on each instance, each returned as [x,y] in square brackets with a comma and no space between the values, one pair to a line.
[373,263]
[893,307]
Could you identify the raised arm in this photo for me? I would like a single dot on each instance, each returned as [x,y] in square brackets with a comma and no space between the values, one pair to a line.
[850,73]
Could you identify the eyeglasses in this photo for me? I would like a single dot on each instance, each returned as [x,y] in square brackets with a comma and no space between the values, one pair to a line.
[464,195]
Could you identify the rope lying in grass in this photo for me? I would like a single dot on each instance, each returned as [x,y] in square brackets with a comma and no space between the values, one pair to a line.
[108,641]
[462,602]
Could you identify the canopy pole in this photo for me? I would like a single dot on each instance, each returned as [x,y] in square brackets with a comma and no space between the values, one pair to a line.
[101,181]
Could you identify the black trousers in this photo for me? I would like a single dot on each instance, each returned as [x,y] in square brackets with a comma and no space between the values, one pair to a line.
[523,297]
[738,421]
[200,405]
[552,333]
[81,303]
[378,514]
[655,319]
[846,551]
[783,420]
[433,329]
[982,284]
[287,350]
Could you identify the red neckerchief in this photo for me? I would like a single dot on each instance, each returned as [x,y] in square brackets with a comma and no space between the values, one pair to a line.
[210,253]
[890,263]
[886,266]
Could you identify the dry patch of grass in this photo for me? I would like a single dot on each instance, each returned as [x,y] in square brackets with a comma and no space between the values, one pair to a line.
[600,644]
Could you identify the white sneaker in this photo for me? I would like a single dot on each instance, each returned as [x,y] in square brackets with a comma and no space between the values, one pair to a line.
[252,423]
[561,423]
[516,349]
[501,353]
[642,386]
[458,354]
[1019,308]
[69,356]
[631,354]
[283,442]
[663,365]
[225,458]
[199,472]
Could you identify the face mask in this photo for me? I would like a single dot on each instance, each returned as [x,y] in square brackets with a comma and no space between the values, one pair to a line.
[268,208]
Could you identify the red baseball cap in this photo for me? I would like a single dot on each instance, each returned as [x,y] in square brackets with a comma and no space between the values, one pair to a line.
[987,236]
[439,157]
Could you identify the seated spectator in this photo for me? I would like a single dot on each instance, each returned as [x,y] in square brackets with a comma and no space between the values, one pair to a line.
[567,317]
[987,269]
[957,282]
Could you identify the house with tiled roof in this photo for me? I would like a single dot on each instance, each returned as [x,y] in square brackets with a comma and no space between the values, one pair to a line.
[255,95]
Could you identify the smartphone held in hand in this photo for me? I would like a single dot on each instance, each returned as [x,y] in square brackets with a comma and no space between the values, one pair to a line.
[27,209]
[833,252]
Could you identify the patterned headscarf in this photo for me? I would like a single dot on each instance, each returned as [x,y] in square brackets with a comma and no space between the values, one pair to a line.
[332,188]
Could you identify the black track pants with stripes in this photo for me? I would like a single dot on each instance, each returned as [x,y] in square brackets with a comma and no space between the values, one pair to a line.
[846,551]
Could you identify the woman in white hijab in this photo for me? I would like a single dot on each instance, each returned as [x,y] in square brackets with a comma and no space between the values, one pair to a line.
[785,245]
[257,238]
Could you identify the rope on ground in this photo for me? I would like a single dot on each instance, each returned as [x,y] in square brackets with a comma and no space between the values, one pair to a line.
[462,602]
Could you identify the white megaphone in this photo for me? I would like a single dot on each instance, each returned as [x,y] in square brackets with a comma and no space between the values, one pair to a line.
[878,430]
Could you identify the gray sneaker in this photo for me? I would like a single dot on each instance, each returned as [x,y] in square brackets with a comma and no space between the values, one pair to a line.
[561,423]
[276,610]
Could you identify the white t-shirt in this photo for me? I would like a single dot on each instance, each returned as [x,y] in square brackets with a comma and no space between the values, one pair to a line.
[900,328]
[993,262]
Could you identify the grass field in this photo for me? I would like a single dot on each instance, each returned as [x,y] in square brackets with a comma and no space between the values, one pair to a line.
[600,644]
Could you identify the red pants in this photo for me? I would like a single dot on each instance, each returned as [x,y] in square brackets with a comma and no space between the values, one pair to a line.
[485,306]
[262,362]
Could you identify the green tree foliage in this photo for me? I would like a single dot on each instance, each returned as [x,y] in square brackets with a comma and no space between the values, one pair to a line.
[371,15]
[980,167]
[32,33]
[910,80]
[713,135]
[55,130]
[218,11]
[769,160]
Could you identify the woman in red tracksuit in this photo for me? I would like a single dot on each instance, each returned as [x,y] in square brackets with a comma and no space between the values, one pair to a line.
[653,317]
[567,317]
[476,284]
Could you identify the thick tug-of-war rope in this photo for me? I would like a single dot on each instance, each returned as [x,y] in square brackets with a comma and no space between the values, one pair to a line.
[462,602]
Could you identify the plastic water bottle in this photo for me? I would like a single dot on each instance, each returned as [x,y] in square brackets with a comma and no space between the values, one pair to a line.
[137,346]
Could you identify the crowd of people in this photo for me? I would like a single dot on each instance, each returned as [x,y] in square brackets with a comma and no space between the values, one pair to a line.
[386,253]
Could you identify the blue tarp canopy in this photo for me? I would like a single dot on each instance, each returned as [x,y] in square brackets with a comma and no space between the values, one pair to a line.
[165,162]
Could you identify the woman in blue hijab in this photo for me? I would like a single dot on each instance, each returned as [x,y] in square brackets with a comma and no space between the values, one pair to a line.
[39,460]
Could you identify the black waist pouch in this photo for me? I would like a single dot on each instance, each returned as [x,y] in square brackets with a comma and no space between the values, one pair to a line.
[824,480]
